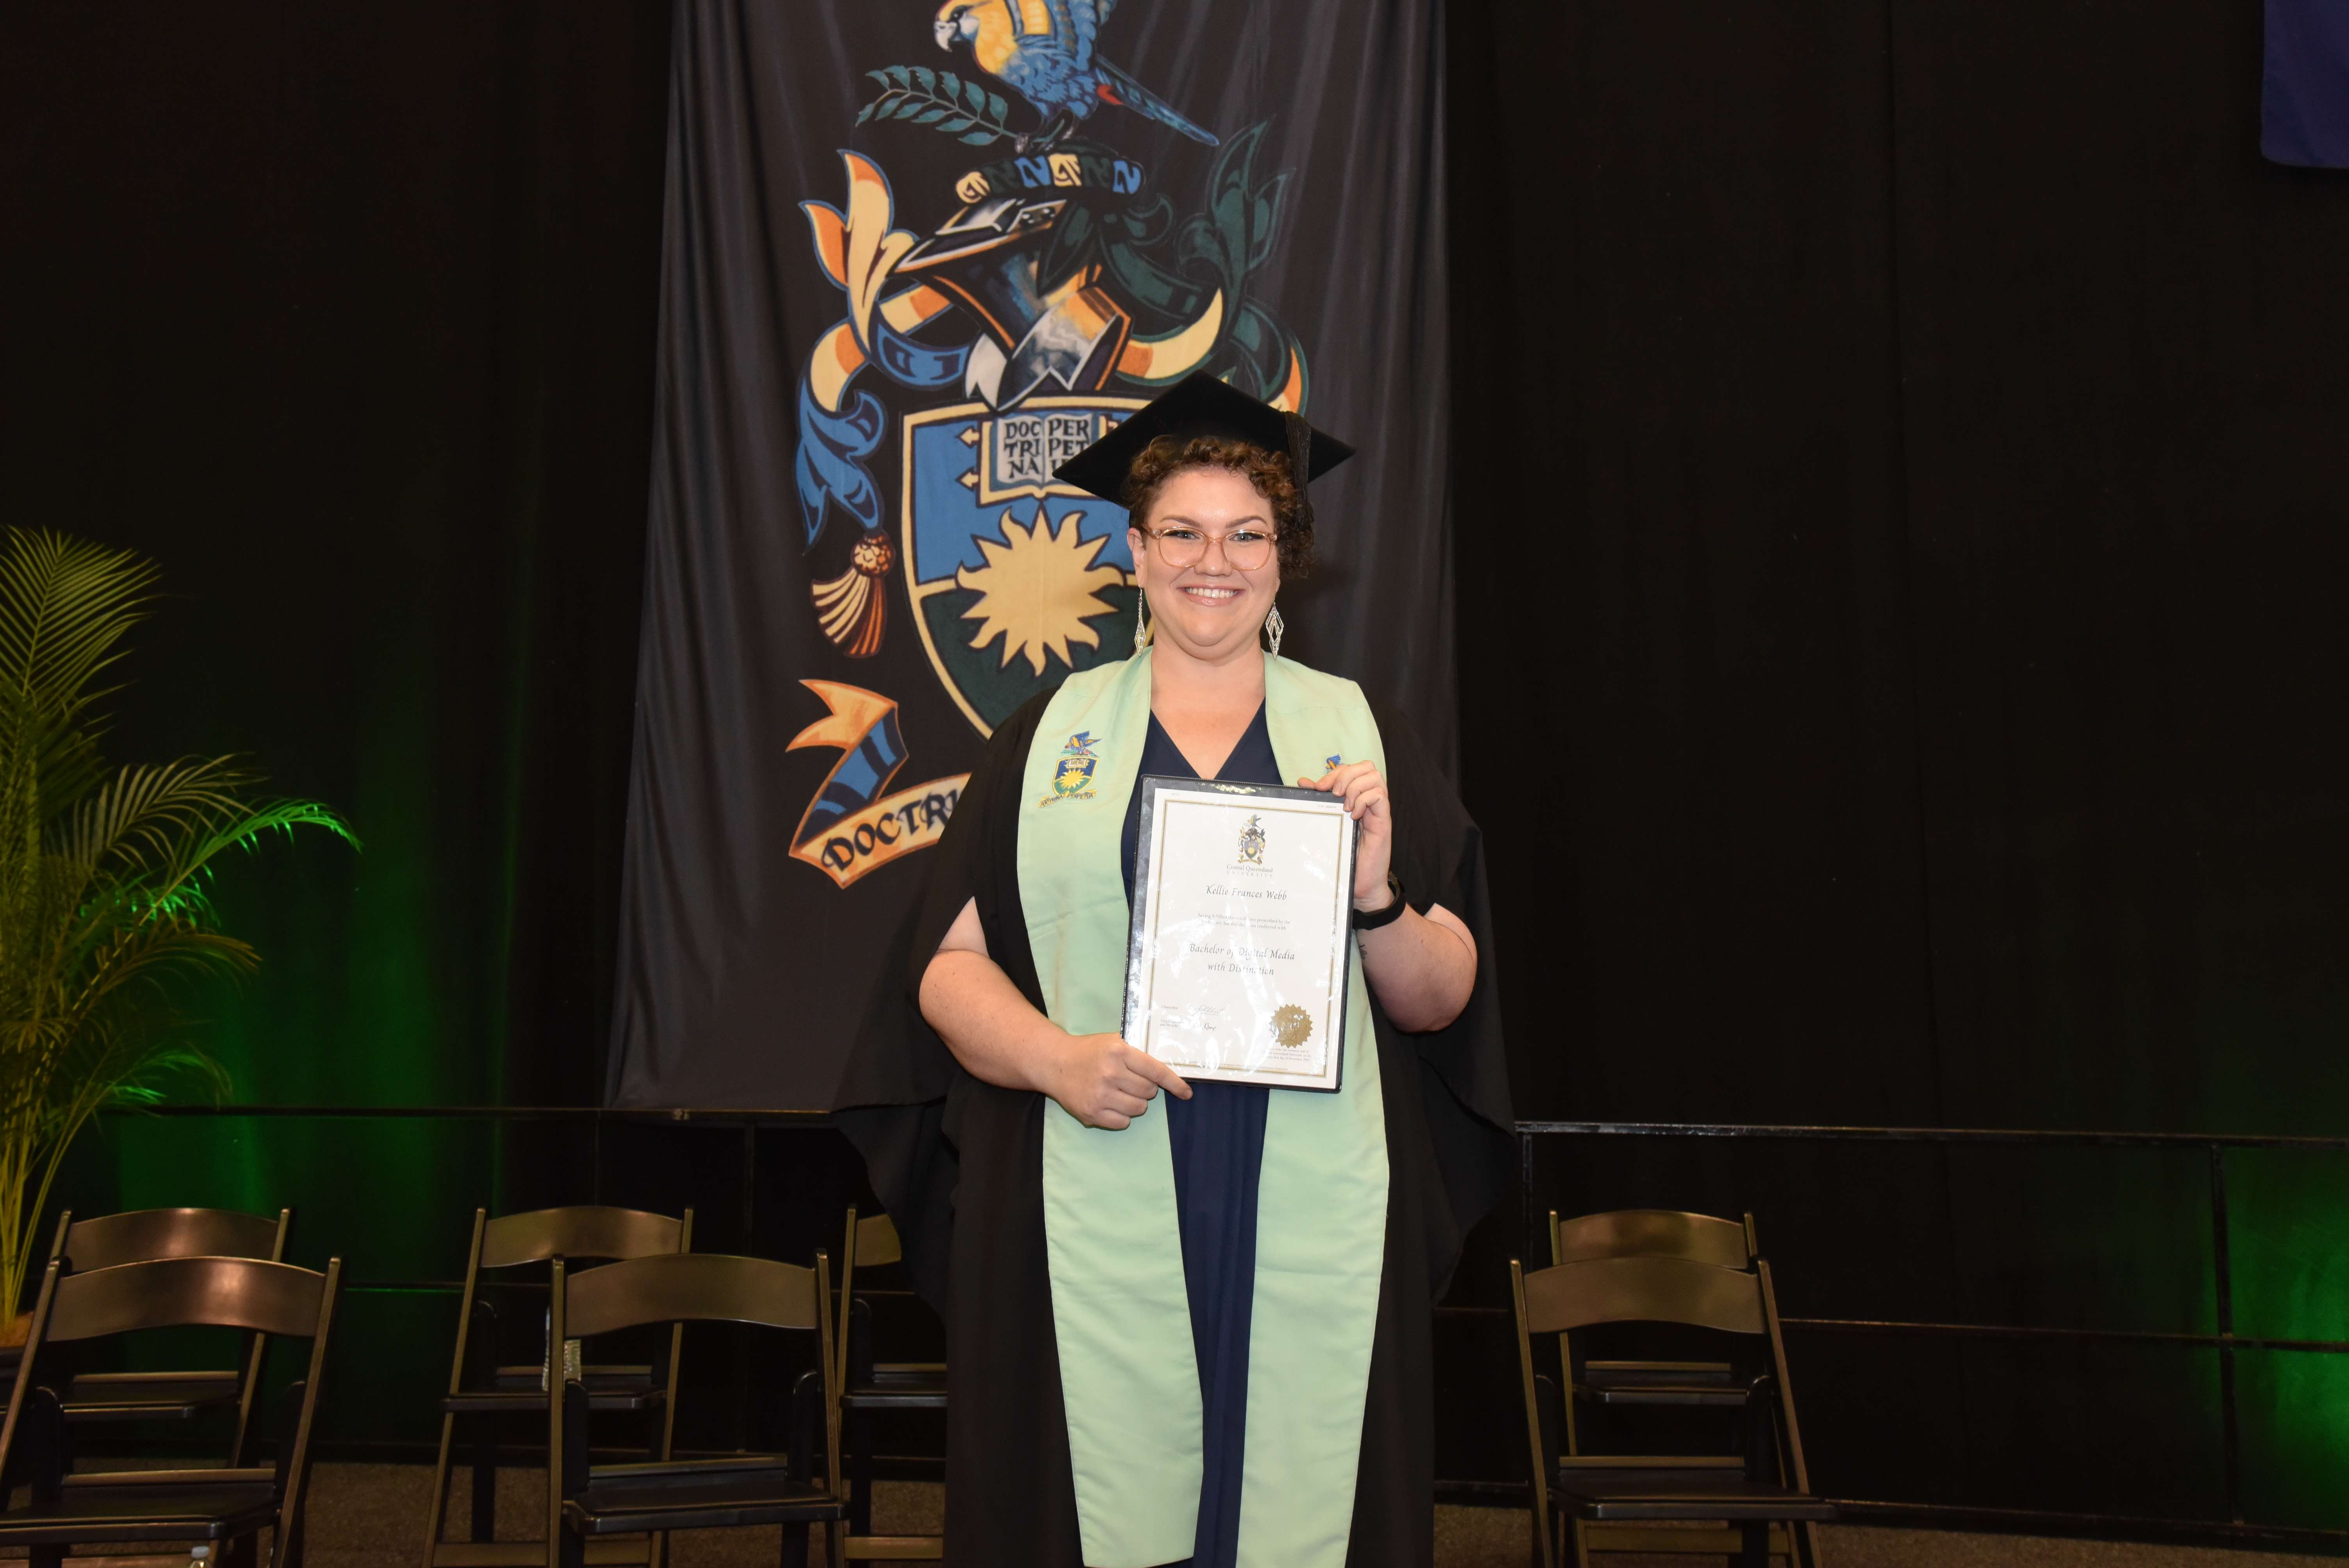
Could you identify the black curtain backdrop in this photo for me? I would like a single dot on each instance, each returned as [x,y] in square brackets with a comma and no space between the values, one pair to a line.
[1900,670]
[1938,476]
[821,661]
[346,318]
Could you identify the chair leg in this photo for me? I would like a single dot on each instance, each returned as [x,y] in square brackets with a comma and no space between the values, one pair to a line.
[486,1480]
[657,1542]
[437,1513]
[46,1556]
[1756,1552]
[859,1444]
[1570,1537]
[795,1547]
[1804,1539]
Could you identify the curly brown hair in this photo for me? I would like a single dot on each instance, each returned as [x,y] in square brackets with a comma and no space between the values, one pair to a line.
[1267,472]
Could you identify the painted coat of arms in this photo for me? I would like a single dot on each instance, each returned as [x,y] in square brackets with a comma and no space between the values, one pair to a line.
[1060,286]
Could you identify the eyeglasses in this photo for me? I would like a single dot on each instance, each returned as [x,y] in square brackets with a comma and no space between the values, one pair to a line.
[1245,548]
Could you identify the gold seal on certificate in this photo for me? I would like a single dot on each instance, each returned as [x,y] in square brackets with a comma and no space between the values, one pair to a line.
[1243,899]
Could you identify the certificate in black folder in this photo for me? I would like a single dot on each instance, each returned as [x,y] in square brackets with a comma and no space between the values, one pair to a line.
[1243,928]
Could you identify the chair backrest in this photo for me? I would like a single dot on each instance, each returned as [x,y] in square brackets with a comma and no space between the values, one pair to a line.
[255,1294]
[173,1293]
[581,1231]
[1652,1232]
[868,1242]
[695,1288]
[876,1242]
[105,1241]
[1642,1290]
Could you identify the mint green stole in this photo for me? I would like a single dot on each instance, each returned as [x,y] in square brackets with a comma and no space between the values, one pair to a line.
[1129,1378]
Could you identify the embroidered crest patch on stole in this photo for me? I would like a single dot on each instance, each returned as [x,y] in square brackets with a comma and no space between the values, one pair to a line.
[1073,776]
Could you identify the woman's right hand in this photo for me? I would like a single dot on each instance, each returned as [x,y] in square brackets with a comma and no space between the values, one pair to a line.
[1104,1082]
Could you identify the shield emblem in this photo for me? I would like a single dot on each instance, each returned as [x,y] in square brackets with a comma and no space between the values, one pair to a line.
[1016,580]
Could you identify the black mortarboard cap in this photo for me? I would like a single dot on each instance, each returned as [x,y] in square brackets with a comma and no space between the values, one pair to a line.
[1199,404]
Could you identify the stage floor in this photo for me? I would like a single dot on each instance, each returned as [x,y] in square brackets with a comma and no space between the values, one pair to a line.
[371,1516]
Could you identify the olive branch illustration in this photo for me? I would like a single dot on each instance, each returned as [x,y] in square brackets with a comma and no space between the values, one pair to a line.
[939,99]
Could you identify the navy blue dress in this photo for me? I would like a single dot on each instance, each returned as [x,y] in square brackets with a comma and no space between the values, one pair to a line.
[1218,1147]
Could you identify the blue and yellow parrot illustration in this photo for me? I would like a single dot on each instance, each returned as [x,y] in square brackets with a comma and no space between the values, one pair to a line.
[1043,50]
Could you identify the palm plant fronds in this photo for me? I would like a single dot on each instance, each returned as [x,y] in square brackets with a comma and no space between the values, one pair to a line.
[103,875]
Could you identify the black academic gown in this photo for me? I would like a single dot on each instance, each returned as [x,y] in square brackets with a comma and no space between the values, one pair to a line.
[959,1165]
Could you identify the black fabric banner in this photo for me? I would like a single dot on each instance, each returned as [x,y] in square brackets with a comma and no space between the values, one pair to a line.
[913,259]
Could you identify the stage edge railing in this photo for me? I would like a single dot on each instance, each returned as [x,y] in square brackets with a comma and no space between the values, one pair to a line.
[2233,1531]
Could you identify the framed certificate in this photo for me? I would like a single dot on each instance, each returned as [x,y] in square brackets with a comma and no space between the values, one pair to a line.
[1243,906]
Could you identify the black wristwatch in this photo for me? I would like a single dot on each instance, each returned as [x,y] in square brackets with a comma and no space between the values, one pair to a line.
[1371,920]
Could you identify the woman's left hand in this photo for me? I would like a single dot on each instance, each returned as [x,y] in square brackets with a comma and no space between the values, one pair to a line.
[1365,792]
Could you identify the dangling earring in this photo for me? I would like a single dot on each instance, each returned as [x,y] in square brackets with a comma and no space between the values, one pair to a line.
[1141,620]
[1273,627]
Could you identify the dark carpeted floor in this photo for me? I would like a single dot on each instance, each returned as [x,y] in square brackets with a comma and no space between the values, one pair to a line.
[372,1516]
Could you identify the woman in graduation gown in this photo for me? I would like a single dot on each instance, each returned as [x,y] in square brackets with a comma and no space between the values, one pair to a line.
[1186,1321]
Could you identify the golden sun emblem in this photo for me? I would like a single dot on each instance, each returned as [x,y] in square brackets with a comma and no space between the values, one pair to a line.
[1292,1026]
[1037,589]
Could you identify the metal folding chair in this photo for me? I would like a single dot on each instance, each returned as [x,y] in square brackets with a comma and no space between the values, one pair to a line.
[483,1392]
[867,1387]
[590,1503]
[227,1506]
[108,1240]
[1666,1496]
